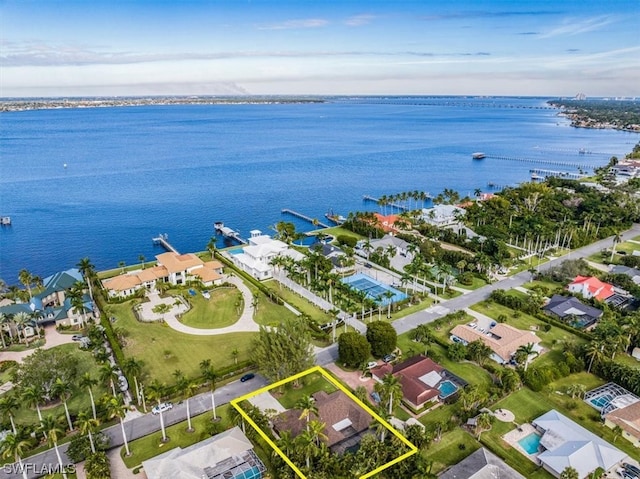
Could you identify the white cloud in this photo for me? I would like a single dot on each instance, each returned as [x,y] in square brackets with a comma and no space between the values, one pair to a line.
[573,26]
[359,20]
[296,24]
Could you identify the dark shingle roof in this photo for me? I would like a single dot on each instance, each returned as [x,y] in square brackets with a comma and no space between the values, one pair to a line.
[482,464]
[560,305]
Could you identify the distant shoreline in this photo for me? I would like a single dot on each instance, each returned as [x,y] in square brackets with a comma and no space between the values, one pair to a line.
[601,115]
[11,105]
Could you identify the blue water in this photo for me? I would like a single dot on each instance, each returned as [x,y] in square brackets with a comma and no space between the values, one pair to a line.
[447,388]
[135,172]
[601,402]
[374,289]
[530,443]
[253,473]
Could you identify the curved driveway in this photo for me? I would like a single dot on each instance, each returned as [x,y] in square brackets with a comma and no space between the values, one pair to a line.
[244,324]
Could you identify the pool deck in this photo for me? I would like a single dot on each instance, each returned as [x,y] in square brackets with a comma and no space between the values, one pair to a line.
[512,438]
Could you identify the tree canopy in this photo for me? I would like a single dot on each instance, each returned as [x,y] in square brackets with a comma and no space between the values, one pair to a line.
[42,368]
[353,349]
[382,338]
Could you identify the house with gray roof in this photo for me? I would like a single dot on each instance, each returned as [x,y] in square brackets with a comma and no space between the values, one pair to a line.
[633,273]
[565,443]
[482,464]
[572,310]
[228,455]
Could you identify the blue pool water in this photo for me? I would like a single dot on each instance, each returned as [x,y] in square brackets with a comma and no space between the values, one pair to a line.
[192,292]
[530,443]
[601,402]
[374,289]
[253,473]
[447,388]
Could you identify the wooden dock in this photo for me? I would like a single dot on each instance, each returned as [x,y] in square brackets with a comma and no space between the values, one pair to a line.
[542,162]
[297,214]
[163,240]
[556,174]
[228,232]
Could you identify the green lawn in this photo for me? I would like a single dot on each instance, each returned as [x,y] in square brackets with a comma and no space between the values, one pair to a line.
[550,285]
[164,350]
[448,451]
[339,230]
[79,401]
[477,283]
[269,313]
[311,383]
[220,311]
[151,445]
[298,302]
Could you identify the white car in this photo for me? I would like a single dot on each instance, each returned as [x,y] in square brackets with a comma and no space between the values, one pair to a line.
[162,407]
[371,364]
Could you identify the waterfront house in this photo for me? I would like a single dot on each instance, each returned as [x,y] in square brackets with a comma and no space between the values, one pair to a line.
[338,258]
[504,340]
[53,305]
[345,421]
[423,381]
[481,464]
[564,443]
[400,247]
[256,257]
[442,215]
[172,268]
[228,455]
[388,222]
[573,311]
[591,287]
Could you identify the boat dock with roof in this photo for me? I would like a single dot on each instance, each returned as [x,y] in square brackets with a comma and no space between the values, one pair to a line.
[228,232]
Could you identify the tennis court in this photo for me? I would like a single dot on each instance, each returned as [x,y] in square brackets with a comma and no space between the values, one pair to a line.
[381,293]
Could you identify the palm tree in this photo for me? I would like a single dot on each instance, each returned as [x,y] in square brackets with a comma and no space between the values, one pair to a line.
[157,391]
[316,429]
[8,405]
[141,258]
[526,350]
[569,473]
[21,321]
[234,355]
[616,239]
[62,389]
[87,426]
[483,423]
[26,279]
[390,390]
[108,373]
[115,408]
[87,381]
[187,387]
[4,319]
[13,446]
[211,245]
[307,405]
[134,367]
[88,271]
[388,295]
[32,395]
[53,431]
[594,352]
[210,376]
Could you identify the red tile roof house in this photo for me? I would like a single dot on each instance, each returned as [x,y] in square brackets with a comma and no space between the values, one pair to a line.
[420,378]
[387,223]
[345,421]
[591,287]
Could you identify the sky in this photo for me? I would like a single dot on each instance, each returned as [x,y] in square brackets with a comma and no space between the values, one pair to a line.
[319,47]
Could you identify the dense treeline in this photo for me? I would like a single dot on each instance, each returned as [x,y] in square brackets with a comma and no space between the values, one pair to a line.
[619,114]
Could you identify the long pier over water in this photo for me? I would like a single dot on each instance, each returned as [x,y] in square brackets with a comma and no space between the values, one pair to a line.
[297,214]
[567,164]
[163,240]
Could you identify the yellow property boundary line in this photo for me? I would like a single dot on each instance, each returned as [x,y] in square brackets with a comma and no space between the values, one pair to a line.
[236,404]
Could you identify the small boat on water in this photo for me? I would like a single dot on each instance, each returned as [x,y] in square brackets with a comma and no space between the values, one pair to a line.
[5,220]
[478,155]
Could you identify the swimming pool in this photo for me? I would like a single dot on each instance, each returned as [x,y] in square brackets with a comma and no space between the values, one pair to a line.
[374,289]
[253,473]
[601,402]
[447,388]
[530,443]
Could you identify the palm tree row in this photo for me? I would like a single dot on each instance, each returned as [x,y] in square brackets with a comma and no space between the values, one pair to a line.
[407,200]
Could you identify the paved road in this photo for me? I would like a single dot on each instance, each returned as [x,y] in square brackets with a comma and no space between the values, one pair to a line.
[461,302]
[141,426]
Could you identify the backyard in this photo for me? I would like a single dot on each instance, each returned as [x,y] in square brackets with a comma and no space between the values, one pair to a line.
[222,309]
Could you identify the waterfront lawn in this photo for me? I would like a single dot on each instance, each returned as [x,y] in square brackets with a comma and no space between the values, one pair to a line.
[339,230]
[220,311]
[152,445]
[79,400]
[163,350]
[452,448]
[311,384]
[298,302]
